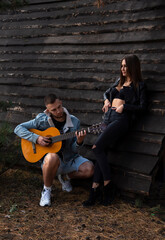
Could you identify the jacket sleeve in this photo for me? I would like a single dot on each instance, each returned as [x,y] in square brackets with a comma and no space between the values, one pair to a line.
[107,94]
[75,146]
[22,129]
[142,103]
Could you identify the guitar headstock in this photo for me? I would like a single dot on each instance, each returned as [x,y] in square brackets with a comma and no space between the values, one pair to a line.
[96,128]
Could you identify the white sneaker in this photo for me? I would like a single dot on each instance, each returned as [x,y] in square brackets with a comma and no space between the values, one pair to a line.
[45,198]
[66,185]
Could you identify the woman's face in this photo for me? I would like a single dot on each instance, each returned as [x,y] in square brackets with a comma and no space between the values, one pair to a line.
[124,68]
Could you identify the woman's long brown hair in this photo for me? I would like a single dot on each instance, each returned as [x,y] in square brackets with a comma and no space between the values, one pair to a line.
[134,70]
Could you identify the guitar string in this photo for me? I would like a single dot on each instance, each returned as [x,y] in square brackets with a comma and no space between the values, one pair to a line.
[72,134]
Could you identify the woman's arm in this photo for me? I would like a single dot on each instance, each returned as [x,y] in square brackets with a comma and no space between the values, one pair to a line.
[106,106]
[106,95]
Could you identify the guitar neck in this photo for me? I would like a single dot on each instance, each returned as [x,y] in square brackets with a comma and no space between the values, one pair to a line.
[93,129]
[63,137]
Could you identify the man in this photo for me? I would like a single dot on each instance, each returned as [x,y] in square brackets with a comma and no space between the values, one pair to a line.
[67,161]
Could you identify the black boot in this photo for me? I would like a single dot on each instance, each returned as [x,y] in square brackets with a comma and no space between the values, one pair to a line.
[108,193]
[95,195]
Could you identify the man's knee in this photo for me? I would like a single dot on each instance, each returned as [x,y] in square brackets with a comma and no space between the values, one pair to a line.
[87,168]
[52,160]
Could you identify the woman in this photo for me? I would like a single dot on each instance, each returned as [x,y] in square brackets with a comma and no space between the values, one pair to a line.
[121,103]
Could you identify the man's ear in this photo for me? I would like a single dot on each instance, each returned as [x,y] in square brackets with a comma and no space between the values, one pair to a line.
[60,101]
[46,111]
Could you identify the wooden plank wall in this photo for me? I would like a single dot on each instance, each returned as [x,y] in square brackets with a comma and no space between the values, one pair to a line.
[74,48]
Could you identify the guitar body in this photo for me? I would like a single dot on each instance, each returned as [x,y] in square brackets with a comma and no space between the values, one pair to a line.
[34,156]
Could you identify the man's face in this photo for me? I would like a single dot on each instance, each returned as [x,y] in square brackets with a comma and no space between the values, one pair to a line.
[56,110]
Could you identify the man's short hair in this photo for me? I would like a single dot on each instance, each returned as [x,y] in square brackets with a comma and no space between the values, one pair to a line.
[50,98]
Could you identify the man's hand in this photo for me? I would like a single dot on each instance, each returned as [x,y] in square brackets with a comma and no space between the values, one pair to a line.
[80,136]
[106,106]
[43,141]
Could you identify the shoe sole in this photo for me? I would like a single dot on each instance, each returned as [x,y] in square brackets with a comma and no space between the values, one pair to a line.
[63,189]
[46,205]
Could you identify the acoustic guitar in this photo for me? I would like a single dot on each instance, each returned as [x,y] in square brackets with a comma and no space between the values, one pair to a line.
[34,152]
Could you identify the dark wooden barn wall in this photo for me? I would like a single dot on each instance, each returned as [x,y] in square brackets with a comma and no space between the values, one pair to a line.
[74,48]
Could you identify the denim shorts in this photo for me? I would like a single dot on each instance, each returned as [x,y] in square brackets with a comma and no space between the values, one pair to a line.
[70,166]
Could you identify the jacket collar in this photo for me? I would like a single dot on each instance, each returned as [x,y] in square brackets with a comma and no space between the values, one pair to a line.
[68,123]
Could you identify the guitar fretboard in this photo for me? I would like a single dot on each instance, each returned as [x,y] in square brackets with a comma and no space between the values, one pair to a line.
[93,129]
[63,137]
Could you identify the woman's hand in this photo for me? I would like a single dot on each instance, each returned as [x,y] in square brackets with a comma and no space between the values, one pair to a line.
[120,108]
[106,106]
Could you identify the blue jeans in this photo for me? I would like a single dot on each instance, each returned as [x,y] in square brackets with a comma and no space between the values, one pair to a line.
[118,124]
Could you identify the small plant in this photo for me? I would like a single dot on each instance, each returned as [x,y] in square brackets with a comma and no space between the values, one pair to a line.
[158,211]
[138,202]
[5,132]
[13,208]
[9,146]
[11,4]
[5,105]
[5,127]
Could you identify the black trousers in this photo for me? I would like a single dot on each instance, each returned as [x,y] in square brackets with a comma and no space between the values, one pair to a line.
[117,127]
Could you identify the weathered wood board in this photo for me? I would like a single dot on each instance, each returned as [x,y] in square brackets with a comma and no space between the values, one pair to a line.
[74,48]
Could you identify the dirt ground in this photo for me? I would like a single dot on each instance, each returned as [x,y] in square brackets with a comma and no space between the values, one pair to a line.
[21,217]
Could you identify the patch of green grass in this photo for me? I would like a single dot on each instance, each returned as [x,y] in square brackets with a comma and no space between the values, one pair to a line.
[10,150]
[13,208]
[158,211]
[5,133]
[5,105]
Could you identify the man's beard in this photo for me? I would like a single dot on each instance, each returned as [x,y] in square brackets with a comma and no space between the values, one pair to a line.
[59,117]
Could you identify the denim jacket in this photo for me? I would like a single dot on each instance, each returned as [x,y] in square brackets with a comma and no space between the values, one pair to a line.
[44,121]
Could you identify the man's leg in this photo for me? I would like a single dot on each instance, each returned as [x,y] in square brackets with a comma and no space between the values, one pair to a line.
[49,168]
[85,170]
[79,168]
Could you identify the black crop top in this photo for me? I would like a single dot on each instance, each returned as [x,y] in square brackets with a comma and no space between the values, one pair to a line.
[118,94]
[126,93]
[135,98]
